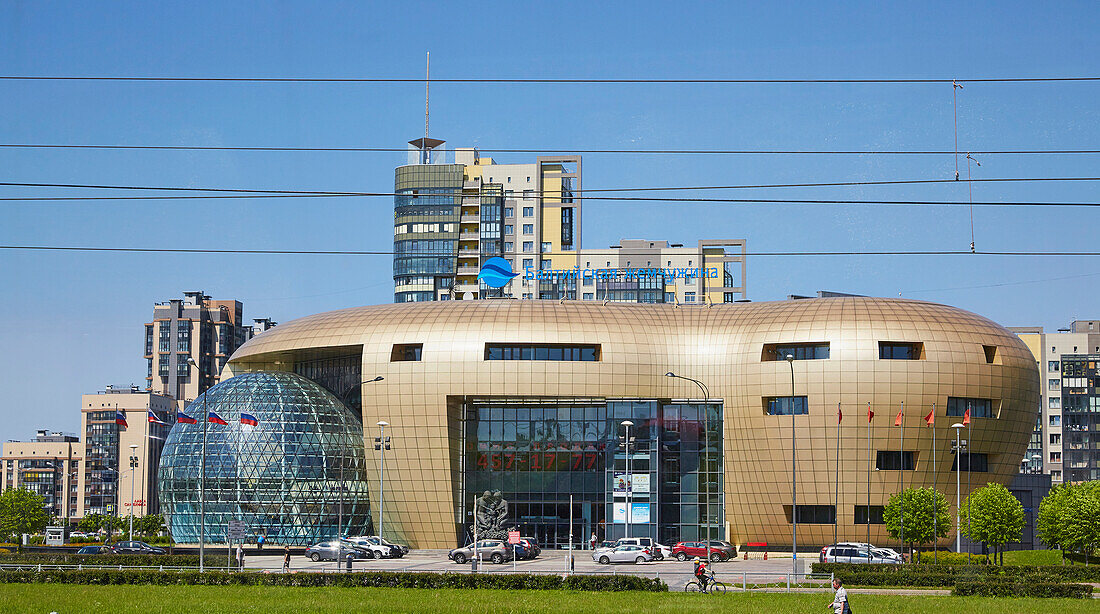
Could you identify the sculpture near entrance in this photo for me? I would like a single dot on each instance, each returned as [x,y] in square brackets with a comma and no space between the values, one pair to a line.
[490,514]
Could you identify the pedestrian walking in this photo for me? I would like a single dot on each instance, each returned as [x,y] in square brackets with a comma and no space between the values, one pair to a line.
[240,557]
[286,559]
[592,541]
[840,601]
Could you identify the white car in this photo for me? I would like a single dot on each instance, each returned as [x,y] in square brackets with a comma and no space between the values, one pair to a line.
[627,553]
[660,552]
[374,551]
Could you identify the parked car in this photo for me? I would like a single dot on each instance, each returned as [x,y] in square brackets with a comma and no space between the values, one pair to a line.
[401,548]
[492,549]
[363,549]
[852,554]
[334,551]
[135,548]
[626,553]
[606,544]
[719,550]
[659,552]
[95,550]
[532,547]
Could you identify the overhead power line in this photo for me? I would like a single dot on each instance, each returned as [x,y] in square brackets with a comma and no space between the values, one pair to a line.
[552,193]
[611,199]
[560,150]
[536,80]
[165,250]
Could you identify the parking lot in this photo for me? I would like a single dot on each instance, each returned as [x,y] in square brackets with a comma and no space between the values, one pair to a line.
[673,572]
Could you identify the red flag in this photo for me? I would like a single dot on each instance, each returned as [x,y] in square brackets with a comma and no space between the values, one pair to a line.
[839,415]
[897,421]
[930,419]
[870,414]
[966,417]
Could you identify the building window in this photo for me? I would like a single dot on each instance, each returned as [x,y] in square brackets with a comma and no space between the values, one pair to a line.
[509,229]
[979,408]
[1054,384]
[587,296]
[1055,402]
[1055,439]
[1055,421]
[1052,365]
[781,406]
[162,366]
[528,247]
[800,351]
[509,212]
[973,461]
[1055,457]
[528,229]
[670,297]
[876,514]
[509,246]
[1056,475]
[528,194]
[528,351]
[689,297]
[528,212]
[406,352]
[546,247]
[900,350]
[528,263]
[892,460]
[813,514]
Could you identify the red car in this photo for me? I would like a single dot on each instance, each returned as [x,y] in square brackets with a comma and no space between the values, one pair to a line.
[720,551]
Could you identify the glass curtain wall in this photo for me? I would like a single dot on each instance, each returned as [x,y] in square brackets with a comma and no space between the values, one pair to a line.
[537,453]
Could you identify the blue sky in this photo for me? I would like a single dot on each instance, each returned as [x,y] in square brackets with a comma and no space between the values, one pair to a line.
[72,322]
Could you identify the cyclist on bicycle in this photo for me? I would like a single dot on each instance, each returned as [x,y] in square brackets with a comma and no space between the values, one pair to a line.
[701,573]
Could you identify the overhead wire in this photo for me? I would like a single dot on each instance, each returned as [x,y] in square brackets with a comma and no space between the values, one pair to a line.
[576,80]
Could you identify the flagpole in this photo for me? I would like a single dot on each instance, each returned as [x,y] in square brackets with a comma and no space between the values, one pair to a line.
[935,492]
[202,487]
[836,495]
[901,416]
[869,462]
[969,442]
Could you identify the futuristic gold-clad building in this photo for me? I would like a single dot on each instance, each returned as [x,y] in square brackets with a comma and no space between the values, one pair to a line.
[528,398]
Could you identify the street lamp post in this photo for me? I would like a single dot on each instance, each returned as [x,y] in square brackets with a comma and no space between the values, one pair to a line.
[706,453]
[959,445]
[794,474]
[629,486]
[202,475]
[381,443]
[133,478]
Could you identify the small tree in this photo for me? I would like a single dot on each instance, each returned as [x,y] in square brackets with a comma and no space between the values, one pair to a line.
[91,522]
[22,511]
[920,526]
[1050,523]
[995,517]
[150,524]
[1081,518]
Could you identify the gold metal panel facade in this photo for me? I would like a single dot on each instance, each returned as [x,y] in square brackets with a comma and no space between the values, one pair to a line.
[720,345]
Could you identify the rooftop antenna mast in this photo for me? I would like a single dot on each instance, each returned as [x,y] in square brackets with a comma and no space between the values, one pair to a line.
[427,79]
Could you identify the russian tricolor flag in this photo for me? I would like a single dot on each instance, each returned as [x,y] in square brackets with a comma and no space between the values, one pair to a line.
[215,418]
[249,419]
[120,418]
[185,419]
[153,419]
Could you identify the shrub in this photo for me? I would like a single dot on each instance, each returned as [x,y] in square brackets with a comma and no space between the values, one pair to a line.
[381,579]
[947,575]
[126,560]
[1022,589]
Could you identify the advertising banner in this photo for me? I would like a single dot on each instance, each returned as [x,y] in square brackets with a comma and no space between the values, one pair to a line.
[639,484]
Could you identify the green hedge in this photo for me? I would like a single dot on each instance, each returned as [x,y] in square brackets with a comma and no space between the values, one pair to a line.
[1022,589]
[623,582]
[126,560]
[901,573]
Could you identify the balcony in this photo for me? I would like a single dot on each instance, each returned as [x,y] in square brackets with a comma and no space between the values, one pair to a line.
[469,236]
[470,219]
[461,288]
[468,270]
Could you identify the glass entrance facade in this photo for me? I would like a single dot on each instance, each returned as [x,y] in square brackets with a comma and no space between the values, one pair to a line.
[539,452]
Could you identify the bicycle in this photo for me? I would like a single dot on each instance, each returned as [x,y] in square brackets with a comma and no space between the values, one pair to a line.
[713,586]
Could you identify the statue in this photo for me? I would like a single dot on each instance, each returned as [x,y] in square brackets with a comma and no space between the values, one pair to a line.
[490,514]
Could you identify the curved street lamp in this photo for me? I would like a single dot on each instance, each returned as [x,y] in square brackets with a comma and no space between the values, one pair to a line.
[629,487]
[794,473]
[706,453]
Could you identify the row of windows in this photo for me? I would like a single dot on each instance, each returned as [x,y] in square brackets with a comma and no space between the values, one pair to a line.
[887,350]
[524,351]
[896,460]
[956,406]
[422,227]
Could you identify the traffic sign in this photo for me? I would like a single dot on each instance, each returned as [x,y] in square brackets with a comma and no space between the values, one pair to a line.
[237,530]
[513,537]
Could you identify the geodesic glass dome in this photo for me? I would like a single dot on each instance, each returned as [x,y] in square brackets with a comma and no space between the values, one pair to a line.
[290,477]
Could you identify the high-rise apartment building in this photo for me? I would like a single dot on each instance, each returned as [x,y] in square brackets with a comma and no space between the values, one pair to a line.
[1067,437]
[112,470]
[195,327]
[452,213]
[49,466]
[455,210]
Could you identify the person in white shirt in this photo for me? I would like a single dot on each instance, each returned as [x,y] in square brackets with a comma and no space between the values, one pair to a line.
[840,601]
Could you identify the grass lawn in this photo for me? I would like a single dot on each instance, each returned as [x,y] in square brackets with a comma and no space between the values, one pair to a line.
[77,599]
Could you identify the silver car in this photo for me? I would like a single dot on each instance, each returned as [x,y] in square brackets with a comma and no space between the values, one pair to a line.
[328,551]
[852,554]
[491,549]
[627,553]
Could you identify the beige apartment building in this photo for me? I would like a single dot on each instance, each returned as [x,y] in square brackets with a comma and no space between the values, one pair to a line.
[49,466]
[120,462]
